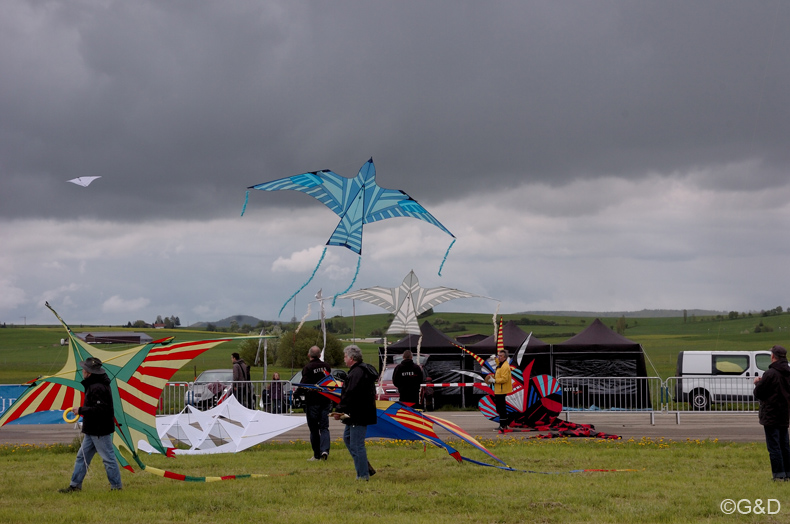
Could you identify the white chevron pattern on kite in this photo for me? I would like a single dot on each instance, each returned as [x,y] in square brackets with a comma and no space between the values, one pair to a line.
[407,301]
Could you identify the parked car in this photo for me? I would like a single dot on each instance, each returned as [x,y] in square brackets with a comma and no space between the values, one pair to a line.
[297,400]
[708,377]
[385,389]
[208,388]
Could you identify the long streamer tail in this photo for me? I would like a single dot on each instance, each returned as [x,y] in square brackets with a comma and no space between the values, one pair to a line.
[445,256]
[246,199]
[334,298]
[187,478]
[323,254]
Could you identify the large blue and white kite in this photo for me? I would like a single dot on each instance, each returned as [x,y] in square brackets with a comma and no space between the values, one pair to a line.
[357,201]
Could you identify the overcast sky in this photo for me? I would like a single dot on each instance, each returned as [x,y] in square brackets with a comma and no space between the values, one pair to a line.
[600,156]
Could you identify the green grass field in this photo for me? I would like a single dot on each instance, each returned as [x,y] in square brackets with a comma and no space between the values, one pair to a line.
[669,482]
[30,351]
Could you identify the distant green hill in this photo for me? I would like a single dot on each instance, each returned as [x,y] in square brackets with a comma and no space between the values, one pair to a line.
[225,322]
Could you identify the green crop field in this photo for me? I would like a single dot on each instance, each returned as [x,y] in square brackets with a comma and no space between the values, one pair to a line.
[30,351]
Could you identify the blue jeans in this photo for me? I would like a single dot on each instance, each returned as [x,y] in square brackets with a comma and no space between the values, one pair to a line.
[778,442]
[318,423]
[354,438]
[91,445]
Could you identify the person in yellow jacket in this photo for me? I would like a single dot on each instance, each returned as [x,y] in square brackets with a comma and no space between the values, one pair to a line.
[503,386]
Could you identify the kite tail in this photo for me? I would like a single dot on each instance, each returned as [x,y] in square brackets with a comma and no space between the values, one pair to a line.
[509,468]
[307,314]
[187,478]
[445,256]
[334,298]
[323,254]
[246,199]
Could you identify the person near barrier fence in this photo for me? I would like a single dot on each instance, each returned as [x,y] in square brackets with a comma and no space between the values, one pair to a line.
[357,409]
[317,406]
[407,377]
[773,392]
[503,386]
[98,426]
[242,389]
[276,395]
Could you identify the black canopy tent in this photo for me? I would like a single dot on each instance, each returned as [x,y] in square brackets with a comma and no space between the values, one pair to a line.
[513,337]
[600,352]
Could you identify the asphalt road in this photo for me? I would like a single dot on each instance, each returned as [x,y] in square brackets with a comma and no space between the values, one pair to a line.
[735,427]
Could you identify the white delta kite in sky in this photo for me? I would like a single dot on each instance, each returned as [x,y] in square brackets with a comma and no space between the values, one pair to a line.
[83,181]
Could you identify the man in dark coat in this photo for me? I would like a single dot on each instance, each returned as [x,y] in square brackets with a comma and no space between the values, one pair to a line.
[407,377]
[317,406]
[242,389]
[357,409]
[773,392]
[98,425]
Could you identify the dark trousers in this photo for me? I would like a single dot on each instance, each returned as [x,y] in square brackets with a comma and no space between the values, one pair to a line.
[318,423]
[778,442]
[501,409]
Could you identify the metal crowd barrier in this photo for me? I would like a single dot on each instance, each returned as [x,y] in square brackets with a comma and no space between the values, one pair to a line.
[710,393]
[714,394]
[256,394]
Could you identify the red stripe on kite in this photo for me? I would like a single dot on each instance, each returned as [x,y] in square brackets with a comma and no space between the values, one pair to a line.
[157,372]
[137,402]
[181,355]
[147,389]
[46,404]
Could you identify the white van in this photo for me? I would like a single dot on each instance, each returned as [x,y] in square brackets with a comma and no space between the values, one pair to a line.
[707,377]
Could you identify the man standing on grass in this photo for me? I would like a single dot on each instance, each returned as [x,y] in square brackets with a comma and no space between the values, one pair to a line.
[773,392]
[407,377]
[316,405]
[98,425]
[357,409]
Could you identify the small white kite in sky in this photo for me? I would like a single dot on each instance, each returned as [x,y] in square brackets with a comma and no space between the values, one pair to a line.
[83,181]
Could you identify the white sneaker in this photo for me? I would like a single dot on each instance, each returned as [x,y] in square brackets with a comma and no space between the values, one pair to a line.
[311,459]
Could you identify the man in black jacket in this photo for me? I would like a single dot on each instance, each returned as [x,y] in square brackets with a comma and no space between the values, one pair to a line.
[407,377]
[98,425]
[773,392]
[357,409]
[242,389]
[316,405]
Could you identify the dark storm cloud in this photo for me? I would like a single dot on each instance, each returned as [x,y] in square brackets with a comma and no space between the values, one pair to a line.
[181,105]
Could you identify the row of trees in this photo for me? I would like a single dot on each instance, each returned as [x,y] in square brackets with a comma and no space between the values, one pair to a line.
[290,350]
[169,322]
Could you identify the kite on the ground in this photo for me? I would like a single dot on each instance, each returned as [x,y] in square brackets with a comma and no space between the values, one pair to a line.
[83,181]
[535,401]
[226,428]
[357,201]
[397,421]
[137,377]
[400,422]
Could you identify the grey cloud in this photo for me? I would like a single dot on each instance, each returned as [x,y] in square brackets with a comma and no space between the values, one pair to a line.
[181,105]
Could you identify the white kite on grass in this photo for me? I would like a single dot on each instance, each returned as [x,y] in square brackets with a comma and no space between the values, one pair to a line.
[227,428]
